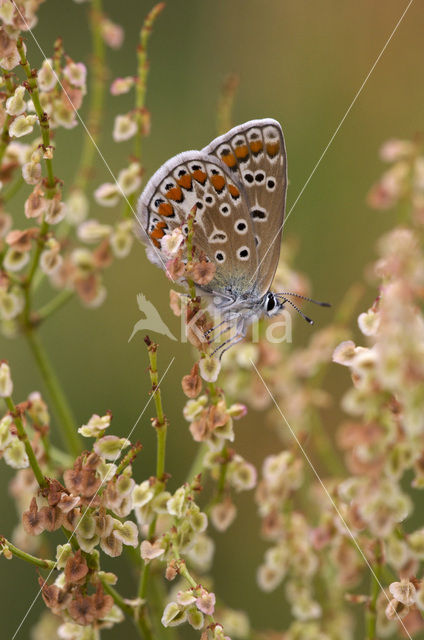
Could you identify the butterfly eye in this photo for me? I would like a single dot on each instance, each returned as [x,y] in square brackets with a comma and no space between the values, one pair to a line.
[225,209]
[259,176]
[209,200]
[248,177]
[270,303]
[220,256]
[270,184]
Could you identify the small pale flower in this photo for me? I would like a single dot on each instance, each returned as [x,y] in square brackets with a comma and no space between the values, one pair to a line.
[63,552]
[22,125]
[198,520]
[129,179]
[344,353]
[125,127]
[15,455]
[76,73]
[201,551]
[195,618]
[50,261]
[55,211]
[6,384]
[176,504]
[404,592]
[31,172]
[6,436]
[92,231]
[15,260]
[46,76]
[107,195]
[369,323]
[173,615]
[172,242]
[110,447]
[7,13]
[126,532]
[209,368]
[223,514]
[16,105]
[194,408]
[142,494]
[113,34]
[151,551]
[242,474]
[95,426]
[77,207]
[122,239]
[186,598]
[206,602]
[121,85]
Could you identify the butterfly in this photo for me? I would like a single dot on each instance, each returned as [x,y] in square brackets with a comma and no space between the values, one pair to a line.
[237,185]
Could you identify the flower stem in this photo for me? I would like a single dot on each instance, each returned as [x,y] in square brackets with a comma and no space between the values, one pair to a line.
[375,590]
[140,624]
[42,482]
[53,305]
[32,88]
[58,399]
[39,562]
[225,103]
[141,115]
[97,96]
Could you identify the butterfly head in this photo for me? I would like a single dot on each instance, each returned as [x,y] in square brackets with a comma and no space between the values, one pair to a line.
[272,305]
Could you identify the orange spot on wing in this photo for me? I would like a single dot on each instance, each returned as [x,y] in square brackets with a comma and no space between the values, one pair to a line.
[229,159]
[158,231]
[218,182]
[256,146]
[242,152]
[200,176]
[175,194]
[233,191]
[272,148]
[185,181]
[165,209]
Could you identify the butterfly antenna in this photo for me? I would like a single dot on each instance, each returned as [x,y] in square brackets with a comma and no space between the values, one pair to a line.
[297,295]
[298,310]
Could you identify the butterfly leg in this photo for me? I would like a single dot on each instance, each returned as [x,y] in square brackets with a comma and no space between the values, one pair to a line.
[227,344]
[212,329]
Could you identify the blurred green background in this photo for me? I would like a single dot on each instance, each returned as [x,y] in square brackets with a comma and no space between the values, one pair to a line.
[300,62]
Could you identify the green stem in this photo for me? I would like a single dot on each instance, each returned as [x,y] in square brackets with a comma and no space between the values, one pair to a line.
[372,607]
[53,305]
[4,136]
[140,91]
[96,97]
[58,399]
[32,88]
[12,189]
[42,482]
[129,458]
[39,562]
[140,624]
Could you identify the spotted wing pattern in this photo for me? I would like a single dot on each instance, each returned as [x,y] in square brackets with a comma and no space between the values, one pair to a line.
[255,154]
[223,230]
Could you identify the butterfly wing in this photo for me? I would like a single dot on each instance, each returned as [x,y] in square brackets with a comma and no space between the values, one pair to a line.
[223,229]
[255,154]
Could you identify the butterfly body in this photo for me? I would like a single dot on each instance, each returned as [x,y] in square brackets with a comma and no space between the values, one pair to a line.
[238,186]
